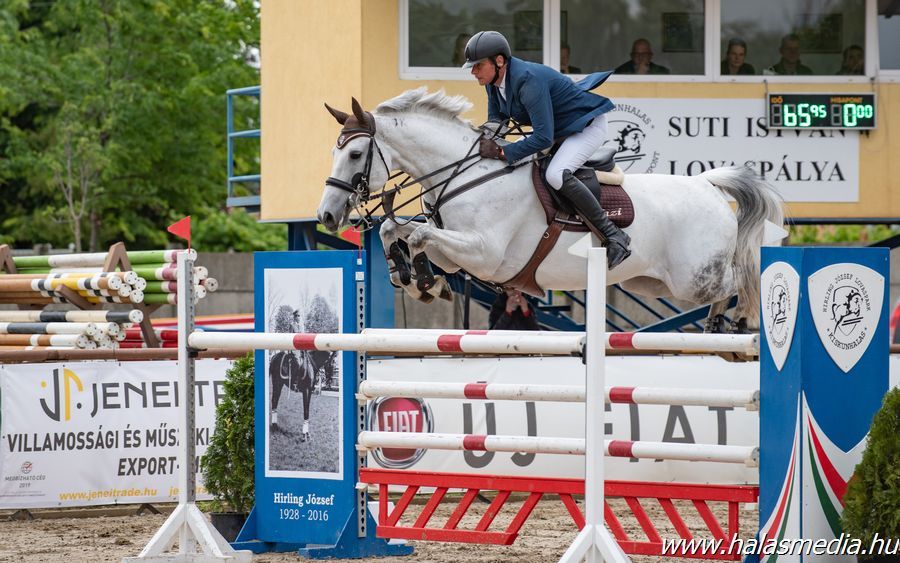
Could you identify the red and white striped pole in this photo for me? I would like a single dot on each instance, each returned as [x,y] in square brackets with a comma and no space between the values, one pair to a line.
[735,398]
[747,455]
[645,341]
[388,343]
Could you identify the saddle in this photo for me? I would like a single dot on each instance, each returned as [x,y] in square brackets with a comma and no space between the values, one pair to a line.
[561,215]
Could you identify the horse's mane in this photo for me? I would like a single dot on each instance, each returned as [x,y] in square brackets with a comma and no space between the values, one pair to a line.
[420,100]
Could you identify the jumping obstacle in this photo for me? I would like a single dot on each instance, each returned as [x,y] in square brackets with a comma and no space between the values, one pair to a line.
[517,343]
[594,540]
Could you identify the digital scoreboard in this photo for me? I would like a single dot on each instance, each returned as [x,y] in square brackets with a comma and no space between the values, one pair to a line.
[821,111]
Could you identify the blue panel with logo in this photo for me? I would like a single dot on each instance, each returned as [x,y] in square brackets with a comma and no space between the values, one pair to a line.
[823,374]
[306,423]
[779,388]
[848,342]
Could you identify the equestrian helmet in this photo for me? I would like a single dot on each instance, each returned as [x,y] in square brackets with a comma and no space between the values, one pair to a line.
[486,44]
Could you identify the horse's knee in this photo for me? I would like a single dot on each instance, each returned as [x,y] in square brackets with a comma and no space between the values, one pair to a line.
[388,231]
[419,238]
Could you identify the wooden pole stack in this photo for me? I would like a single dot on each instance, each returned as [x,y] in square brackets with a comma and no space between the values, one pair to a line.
[144,279]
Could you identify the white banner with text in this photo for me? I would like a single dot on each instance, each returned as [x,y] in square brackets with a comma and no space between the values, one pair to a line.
[690,136]
[86,433]
[656,423]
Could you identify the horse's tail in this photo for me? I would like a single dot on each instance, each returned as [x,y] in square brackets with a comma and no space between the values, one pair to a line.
[757,202]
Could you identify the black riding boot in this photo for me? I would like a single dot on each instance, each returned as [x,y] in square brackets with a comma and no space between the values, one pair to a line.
[597,219]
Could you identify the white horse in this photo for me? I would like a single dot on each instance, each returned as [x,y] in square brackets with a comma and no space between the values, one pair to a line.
[686,241]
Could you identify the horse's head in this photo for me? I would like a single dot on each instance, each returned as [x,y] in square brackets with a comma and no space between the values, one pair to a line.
[358,167]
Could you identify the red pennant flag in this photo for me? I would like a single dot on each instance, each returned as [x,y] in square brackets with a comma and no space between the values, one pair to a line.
[182,229]
[351,235]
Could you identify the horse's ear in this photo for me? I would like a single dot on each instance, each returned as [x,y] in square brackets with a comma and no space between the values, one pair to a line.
[340,116]
[360,114]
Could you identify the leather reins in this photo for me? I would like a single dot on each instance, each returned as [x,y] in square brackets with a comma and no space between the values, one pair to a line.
[359,184]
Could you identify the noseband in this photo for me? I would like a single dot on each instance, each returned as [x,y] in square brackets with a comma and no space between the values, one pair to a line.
[359,183]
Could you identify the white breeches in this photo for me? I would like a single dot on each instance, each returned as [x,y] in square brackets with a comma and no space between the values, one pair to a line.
[576,149]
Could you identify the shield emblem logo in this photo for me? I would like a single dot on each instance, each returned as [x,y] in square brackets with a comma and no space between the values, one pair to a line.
[780,289]
[845,301]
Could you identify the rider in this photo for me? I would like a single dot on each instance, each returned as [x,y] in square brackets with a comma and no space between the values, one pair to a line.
[556,108]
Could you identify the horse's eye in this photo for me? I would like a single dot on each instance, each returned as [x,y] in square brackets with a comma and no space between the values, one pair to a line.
[355,155]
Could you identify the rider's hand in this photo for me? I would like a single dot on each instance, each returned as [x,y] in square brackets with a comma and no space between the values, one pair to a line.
[488,148]
[515,300]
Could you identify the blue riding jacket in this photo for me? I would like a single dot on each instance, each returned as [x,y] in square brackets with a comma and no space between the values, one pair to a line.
[549,101]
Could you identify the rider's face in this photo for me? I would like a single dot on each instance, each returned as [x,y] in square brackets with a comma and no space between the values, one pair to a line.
[483,71]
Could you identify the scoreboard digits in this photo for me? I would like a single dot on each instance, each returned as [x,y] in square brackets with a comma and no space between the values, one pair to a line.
[821,111]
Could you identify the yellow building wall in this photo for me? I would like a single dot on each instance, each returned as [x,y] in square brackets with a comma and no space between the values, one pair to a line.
[314,52]
[311,53]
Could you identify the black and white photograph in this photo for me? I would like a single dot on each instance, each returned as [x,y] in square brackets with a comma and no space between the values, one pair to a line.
[303,387]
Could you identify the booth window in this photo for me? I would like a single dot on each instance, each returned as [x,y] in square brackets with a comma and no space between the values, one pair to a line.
[773,37]
[889,35]
[439,29]
[633,37]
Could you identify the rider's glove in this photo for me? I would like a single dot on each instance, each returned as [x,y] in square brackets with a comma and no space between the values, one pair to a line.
[488,148]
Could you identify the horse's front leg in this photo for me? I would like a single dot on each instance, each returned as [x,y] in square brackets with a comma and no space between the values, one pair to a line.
[456,249]
[391,233]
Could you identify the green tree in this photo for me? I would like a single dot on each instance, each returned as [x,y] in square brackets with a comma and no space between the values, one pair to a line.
[114,128]
[229,461]
[237,231]
[872,501]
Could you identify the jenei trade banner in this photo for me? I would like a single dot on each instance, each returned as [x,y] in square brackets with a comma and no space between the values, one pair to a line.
[88,433]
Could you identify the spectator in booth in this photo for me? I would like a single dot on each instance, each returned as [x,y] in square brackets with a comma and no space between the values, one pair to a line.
[641,60]
[459,49]
[790,58]
[734,58]
[511,311]
[854,61]
[564,66]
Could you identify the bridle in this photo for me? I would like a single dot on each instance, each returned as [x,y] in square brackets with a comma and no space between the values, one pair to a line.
[358,186]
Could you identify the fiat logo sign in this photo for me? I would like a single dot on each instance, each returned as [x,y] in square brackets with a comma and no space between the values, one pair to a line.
[399,414]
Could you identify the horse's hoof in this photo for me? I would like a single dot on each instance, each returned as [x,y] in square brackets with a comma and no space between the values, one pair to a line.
[304,437]
[424,273]
[716,325]
[740,327]
[426,298]
[424,282]
[446,294]
[397,263]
